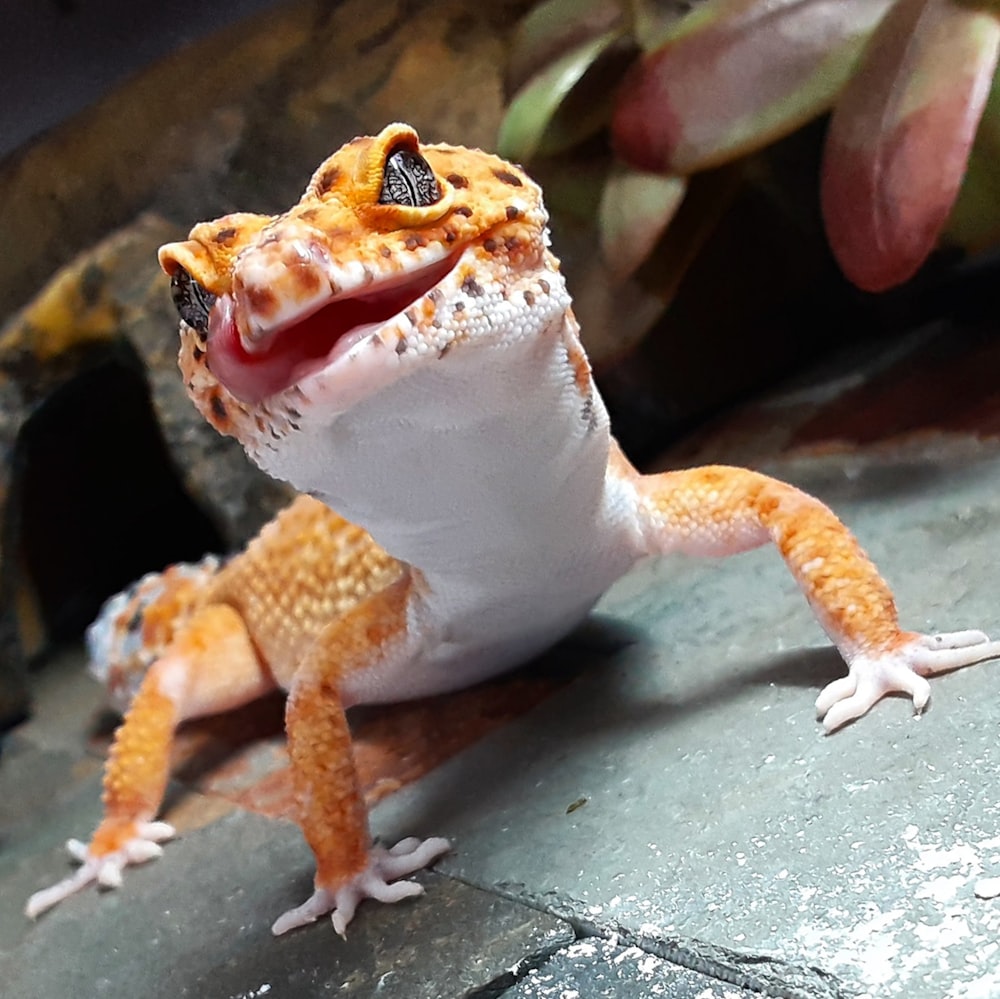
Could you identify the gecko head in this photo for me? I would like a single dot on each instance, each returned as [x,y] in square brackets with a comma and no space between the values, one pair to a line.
[398,255]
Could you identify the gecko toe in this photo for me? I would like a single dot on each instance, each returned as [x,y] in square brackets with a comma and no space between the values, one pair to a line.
[380,880]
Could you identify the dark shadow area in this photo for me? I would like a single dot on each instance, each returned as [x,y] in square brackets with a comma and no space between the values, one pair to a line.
[604,651]
[100,502]
[63,55]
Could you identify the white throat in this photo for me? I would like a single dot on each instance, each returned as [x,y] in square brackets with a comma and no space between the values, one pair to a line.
[452,471]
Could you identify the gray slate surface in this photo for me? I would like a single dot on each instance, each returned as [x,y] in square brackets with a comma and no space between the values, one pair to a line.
[718,824]
[594,968]
[678,796]
[197,924]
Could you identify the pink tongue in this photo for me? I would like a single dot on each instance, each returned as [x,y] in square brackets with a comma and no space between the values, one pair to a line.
[312,343]
[291,356]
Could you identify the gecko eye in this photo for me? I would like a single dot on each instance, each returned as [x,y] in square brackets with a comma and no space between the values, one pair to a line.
[193,303]
[407,179]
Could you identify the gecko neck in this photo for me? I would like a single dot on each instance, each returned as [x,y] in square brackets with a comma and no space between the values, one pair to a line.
[486,461]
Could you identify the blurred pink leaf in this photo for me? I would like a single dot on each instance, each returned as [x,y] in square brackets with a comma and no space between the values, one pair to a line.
[735,75]
[899,139]
[636,208]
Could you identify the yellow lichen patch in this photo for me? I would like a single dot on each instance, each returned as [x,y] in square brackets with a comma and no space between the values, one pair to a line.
[73,308]
[83,302]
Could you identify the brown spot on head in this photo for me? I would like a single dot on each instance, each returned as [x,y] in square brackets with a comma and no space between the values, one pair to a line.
[463,210]
[506,177]
[306,280]
[529,298]
[457,180]
[415,240]
[513,212]
[434,295]
[225,235]
[490,244]
[385,251]
[326,180]
[450,235]
[459,306]
[218,408]
[544,285]
[512,244]
[401,345]
[471,286]
[262,300]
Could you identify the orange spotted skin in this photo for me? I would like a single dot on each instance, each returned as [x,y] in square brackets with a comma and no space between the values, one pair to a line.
[401,344]
[319,740]
[307,568]
[136,773]
[719,510]
[489,211]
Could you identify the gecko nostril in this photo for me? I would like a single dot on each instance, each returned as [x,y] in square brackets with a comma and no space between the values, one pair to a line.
[192,301]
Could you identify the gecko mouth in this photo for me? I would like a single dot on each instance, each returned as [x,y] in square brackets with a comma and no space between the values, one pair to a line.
[313,341]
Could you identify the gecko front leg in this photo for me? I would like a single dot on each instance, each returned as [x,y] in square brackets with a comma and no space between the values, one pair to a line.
[211,665]
[375,637]
[719,510]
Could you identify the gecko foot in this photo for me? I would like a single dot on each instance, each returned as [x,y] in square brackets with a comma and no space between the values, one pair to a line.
[377,881]
[139,842]
[901,670]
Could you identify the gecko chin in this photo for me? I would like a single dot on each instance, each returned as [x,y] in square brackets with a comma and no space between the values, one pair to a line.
[314,341]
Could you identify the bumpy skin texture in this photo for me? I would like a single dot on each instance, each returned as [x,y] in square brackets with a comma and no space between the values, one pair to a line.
[400,344]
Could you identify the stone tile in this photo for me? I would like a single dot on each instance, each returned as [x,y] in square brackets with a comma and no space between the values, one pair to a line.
[68,707]
[682,790]
[197,923]
[595,969]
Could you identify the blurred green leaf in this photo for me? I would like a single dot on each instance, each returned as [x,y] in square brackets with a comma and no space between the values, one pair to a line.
[636,208]
[565,103]
[735,75]
[555,28]
[974,223]
[652,19]
[900,137]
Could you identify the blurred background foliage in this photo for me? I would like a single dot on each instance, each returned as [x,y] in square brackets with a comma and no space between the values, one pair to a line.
[754,172]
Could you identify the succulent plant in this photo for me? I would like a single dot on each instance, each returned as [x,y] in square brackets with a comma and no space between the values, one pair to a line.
[683,87]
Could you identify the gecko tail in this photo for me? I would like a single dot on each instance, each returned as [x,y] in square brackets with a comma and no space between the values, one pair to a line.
[134,627]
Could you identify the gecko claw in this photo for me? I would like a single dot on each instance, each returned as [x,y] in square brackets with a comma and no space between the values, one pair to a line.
[104,869]
[901,670]
[377,881]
